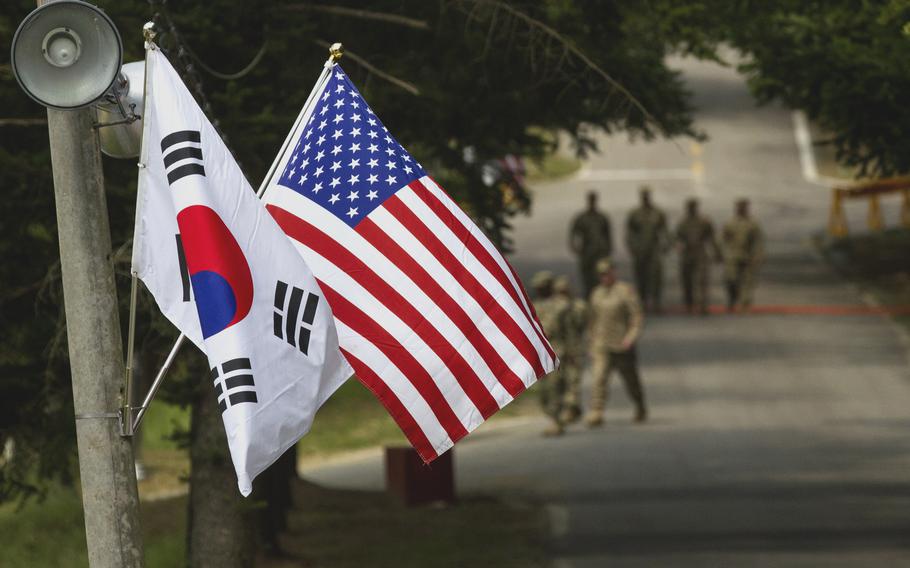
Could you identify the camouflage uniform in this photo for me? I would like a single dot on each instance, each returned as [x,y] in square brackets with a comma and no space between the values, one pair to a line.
[571,364]
[647,240]
[591,239]
[695,235]
[616,323]
[552,311]
[743,251]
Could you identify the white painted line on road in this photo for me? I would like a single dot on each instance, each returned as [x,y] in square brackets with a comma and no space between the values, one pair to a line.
[804,145]
[807,154]
[559,520]
[636,175]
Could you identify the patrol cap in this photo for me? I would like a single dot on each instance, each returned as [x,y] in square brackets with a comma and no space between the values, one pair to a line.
[604,265]
[542,278]
[561,284]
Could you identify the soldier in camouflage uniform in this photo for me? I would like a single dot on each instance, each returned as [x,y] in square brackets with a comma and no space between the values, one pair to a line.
[574,353]
[697,245]
[743,244]
[552,313]
[591,239]
[647,240]
[616,323]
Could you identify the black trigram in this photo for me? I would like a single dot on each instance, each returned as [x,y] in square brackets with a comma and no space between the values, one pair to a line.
[182,155]
[184,271]
[235,383]
[288,316]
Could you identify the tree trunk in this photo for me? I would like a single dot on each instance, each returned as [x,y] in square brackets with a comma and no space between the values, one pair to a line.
[222,524]
[275,486]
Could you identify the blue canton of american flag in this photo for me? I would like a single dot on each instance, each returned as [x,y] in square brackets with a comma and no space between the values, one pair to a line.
[346,160]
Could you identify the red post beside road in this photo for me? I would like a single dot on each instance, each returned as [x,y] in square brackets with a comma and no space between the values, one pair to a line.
[414,482]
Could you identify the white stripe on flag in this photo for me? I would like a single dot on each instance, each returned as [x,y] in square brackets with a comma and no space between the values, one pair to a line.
[448,385]
[397,279]
[501,342]
[475,267]
[482,239]
[410,398]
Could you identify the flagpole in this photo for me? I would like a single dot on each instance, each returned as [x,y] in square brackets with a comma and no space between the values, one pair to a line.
[158,379]
[126,409]
[335,53]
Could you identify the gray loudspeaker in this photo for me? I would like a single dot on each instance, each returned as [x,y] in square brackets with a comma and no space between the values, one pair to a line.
[66,54]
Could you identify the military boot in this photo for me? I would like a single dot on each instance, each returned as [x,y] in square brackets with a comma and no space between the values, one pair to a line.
[570,414]
[594,419]
[555,429]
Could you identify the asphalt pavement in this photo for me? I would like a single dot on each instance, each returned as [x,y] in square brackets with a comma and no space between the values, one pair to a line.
[775,439]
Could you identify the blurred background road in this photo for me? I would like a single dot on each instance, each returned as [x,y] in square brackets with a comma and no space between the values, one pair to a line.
[775,439]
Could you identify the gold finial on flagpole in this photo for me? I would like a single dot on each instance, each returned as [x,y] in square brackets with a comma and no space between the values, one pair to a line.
[335,52]
[148,31]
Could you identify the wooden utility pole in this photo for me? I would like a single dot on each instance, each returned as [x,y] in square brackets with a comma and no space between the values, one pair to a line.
[107,471]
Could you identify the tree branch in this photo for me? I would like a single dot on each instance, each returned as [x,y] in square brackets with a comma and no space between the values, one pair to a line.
[535,24]
[401,83]
[362,14]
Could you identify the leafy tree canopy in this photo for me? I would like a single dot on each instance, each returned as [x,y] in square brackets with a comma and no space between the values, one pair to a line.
[846,63]
[500,77]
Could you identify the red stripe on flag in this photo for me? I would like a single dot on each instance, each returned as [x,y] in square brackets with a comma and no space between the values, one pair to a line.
[524,294]
[328,248]
[398,411]
[479,251]
[397,255]
[493,309]
[354,318]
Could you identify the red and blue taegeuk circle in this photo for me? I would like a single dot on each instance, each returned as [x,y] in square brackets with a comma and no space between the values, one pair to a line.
[220,274]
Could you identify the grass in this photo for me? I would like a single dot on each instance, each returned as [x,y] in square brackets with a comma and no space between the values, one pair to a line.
[329,528]
[482,532]
[877,262]
[554,166]
[871,255]
[351,419]
[378,532]
[51,532]
[557,164]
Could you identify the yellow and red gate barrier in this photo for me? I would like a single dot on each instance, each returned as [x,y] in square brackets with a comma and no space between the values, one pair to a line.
[871,190]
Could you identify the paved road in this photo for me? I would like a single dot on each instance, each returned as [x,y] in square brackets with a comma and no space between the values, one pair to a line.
[776,440]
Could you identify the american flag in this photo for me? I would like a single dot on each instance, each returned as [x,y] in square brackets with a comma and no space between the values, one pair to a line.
[431,317]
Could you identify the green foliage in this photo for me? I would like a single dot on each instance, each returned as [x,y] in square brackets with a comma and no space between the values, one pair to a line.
[845,62]
[486,72]
[49,532]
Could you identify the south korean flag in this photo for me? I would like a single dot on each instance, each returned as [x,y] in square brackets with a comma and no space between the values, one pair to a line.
[224,273]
